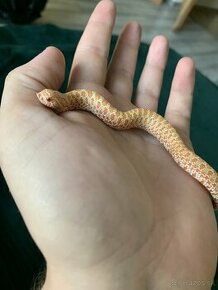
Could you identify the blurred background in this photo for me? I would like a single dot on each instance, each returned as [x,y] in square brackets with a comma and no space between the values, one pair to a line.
[196,23]
[190,25]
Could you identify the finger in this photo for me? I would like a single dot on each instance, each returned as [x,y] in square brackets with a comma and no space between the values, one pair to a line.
[149,86]
[90,60]
[46,70]
[178,110]
[122,66]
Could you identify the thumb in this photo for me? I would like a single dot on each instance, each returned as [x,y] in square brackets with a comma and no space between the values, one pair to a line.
[46,70]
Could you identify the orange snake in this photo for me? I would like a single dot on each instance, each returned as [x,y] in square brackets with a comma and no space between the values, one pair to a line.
[142,118]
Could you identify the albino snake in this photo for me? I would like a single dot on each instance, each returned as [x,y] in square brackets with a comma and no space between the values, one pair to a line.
[142,118]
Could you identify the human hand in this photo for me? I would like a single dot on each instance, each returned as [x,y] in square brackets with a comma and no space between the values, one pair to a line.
[108,209]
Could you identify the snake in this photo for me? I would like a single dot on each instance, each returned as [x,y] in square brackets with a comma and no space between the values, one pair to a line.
[142,118]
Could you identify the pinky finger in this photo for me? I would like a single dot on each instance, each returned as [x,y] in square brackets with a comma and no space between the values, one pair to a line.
[179,107]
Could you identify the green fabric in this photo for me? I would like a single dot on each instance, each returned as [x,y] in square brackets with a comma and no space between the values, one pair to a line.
[20,260]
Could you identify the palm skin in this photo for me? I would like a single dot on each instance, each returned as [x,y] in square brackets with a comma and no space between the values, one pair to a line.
[108,209]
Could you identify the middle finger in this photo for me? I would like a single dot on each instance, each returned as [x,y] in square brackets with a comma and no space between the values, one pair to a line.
[149,86]
[122,66]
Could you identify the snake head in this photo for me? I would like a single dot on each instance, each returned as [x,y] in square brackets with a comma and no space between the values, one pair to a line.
[48,98]
[45,97]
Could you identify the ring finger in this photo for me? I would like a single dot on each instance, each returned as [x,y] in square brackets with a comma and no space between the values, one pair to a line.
[179,107]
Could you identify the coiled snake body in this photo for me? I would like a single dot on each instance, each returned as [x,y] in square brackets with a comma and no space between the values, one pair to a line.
[142,118]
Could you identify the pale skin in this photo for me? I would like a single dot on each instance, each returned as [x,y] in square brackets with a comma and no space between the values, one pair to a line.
[108,209]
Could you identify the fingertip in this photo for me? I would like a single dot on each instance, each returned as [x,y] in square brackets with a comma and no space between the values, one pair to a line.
[132,31]
[186,64]
[134,24]
[53,52]
[184,76]
[187,60]
[135,28]
[160,42]
[161,38]
[49,66]
[158,51]
[53,49]
[108,3]
[107,7]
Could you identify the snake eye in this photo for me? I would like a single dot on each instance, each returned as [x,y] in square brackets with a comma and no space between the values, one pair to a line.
[48,99]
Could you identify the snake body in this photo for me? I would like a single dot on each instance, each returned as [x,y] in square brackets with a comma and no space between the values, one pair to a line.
[142,118]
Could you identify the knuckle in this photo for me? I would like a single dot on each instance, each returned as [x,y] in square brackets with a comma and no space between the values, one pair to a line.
[180,114]
[125,73]
[148,92]
[95,50]
[122,73]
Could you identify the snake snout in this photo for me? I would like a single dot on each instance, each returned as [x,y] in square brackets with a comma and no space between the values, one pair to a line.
[45,99]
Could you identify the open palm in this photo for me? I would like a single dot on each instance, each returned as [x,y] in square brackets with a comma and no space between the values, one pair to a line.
[108,209]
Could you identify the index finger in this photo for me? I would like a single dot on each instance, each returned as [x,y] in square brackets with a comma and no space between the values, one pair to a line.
[90,60]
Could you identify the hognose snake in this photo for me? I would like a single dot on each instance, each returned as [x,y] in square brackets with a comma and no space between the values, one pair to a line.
[142,118]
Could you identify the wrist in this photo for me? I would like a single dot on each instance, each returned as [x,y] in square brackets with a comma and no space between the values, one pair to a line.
[71,279]
[77,280]
[67,279]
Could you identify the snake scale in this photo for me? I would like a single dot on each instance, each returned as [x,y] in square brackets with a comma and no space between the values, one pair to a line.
[142,118]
